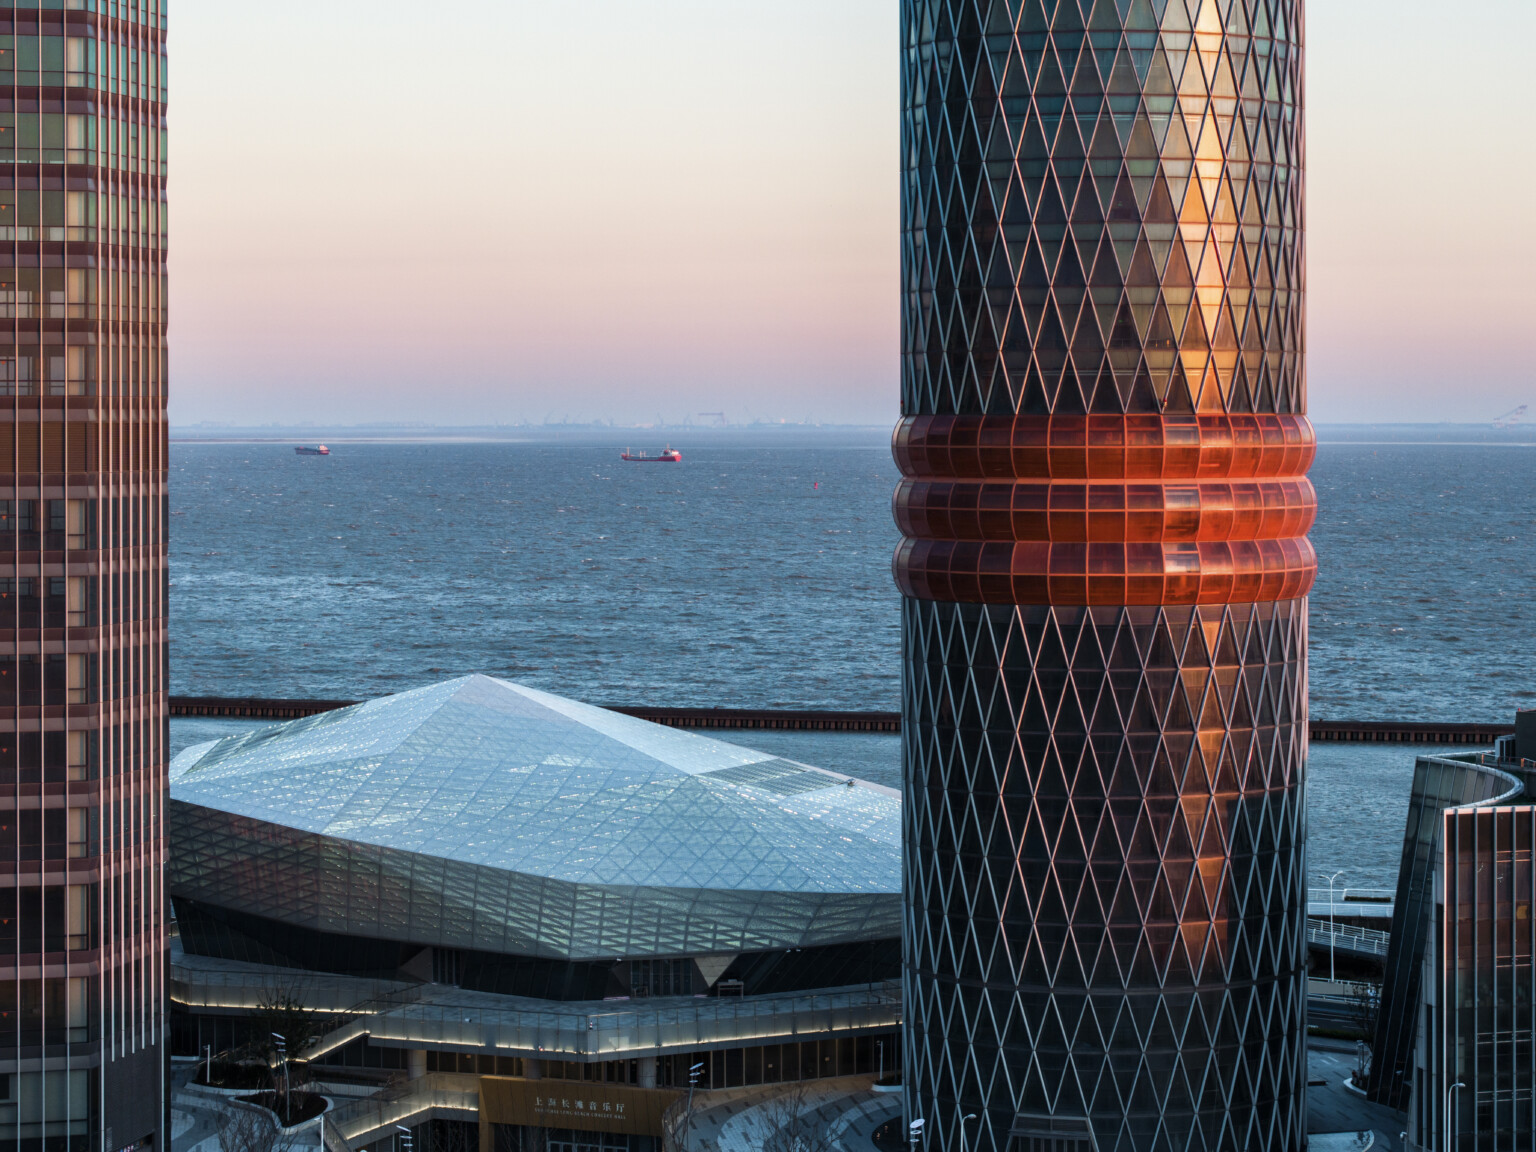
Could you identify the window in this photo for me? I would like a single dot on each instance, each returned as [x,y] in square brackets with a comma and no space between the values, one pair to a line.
[80,597]
[82,678]
[80,62]
[661,978]
[569,1140]
[55,603]
[52,1011]
[18,594]
[80,215]
[80,753]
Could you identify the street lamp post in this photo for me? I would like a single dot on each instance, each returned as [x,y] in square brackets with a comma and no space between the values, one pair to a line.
[964,1120]
[687,1123]
[1450,1102]
[1331,879]
[282,1054]
[915,1133]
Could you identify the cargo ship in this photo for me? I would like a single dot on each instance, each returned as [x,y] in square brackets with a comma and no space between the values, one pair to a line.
[319,450]
[670,456]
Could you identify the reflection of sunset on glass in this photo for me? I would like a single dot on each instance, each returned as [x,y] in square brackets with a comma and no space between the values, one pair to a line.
[619,209]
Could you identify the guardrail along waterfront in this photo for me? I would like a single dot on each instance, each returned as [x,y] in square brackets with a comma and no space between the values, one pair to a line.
[809,720]
[1347,939]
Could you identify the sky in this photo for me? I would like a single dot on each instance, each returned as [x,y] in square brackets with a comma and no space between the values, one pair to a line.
[499,211]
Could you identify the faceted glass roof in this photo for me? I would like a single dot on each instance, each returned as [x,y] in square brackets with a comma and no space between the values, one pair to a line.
[488,773]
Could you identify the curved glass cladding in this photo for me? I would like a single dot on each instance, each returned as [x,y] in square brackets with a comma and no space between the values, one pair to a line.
[1103,212]
[482,814]
[1104,509]
[82,572]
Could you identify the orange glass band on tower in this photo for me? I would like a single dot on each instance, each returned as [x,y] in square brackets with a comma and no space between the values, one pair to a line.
[1105,509]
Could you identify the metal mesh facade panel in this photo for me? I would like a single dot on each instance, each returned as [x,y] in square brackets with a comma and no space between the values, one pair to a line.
[1104,510]
[82,573]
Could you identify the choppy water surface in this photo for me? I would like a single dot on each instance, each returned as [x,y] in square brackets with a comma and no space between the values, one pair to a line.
[1424,602]
[758,576]
[745,577]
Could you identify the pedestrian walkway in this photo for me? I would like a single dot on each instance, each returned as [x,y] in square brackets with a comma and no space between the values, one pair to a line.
[854,1131]
[1341,1142]
[1334,1113]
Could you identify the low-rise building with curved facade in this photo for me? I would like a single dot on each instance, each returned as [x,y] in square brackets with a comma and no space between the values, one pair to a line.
[1455,1042]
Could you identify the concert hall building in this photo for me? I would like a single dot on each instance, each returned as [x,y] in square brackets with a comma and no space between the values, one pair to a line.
[1105,565]
[539,915]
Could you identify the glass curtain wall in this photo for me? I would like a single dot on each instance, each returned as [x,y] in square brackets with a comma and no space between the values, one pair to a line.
[1104,509]
[82,573]
[1489,988]
[1439,783]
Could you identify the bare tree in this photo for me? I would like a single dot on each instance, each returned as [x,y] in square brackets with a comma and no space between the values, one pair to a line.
[527,1139]
[250,1130]
[450,1136]
[283,1011]
[790,1124]
[676,1126]
[1364,1002]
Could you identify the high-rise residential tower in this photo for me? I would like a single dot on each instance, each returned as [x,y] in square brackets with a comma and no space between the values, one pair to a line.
[82,574]
[1105,570]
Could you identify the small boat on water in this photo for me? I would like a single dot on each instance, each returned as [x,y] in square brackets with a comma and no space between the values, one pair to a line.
[670,456]
[318,450]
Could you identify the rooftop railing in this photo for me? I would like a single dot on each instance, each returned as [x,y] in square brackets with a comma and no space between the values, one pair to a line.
[577,1032]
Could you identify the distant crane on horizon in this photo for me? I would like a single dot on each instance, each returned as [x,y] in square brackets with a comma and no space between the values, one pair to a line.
[1513,416]
[720,420]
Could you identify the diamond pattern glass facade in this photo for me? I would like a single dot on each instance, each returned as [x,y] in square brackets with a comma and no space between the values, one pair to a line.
[483,815]
[1103,206]
[82,574]
[1105,564]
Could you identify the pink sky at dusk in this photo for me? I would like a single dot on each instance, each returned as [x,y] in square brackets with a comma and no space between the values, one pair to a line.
[508,211]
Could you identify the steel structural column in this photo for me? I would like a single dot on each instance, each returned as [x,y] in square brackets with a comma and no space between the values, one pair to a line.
[1104,508]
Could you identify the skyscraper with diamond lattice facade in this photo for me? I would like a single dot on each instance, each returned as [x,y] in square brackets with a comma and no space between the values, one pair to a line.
[82,575]
[1104,508]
